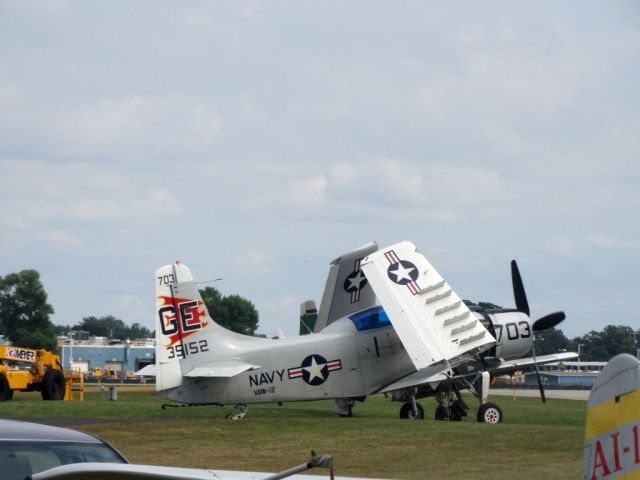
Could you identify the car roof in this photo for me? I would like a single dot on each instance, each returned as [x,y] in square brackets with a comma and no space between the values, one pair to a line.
[16,430]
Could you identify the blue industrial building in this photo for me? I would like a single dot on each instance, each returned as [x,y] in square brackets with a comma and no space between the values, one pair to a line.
[119,357]
[562,379]
[567,374]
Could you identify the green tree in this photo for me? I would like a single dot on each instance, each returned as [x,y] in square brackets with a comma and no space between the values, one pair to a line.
[602,346]
[61,330]
[232,312]
[107,326]
[24,311]
[551,340]
[138,331]
[482,305]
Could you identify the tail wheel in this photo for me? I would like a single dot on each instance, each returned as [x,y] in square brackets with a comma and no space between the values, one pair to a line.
[53,386]
[5,390]
[407,412]
[489,413]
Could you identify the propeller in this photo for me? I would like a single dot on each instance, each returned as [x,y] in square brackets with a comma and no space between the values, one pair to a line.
[543,323]
[518,290]
[548,321]
[533,353]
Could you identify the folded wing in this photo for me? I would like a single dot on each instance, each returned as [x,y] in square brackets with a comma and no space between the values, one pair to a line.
[433,323]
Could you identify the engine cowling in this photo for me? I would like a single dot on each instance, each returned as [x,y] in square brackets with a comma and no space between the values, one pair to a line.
[512,330]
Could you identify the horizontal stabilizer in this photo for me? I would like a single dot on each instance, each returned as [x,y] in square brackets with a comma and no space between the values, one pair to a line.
[221,368]
[148,371]
[433,323]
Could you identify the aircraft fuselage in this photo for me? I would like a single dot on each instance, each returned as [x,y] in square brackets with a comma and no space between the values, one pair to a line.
[340,362]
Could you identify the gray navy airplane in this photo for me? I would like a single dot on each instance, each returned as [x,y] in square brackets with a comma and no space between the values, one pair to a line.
[388,323]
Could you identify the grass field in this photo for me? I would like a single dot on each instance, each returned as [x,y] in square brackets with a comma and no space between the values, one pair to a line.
[534,440]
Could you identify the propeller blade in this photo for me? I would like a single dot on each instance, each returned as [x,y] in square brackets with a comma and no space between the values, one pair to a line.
[518,290]
[548,321]
[535,362]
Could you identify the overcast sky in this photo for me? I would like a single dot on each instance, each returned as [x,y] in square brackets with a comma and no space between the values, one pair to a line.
[257,141]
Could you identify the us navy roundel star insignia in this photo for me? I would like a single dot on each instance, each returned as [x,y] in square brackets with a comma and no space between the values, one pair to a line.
[314,369]
[402,272]
[355,282]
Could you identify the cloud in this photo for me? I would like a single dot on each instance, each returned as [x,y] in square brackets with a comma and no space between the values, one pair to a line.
[116,127]
[64,239]
[224,16]
[561,245]
[37,194]
[252,263]
[278,194]
[612,242]
[10,95]
[307,192]
[439,192]
[139,122]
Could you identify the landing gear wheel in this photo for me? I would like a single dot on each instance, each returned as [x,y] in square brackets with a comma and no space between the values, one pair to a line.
[489,413]
[240,411]
[457,410]
[344,407]
[349,413]
[53,386]
[442,413]
[407,412]
[6,393]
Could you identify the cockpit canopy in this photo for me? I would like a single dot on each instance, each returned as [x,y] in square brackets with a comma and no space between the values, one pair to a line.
[371,318]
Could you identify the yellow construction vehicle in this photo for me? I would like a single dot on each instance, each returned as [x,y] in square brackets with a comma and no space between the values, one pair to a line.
[29,370]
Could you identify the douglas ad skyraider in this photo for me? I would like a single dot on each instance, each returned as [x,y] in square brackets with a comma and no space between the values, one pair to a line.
[388,322]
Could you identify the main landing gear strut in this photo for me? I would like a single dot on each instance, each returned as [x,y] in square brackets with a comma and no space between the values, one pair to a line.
[411,409]
[488,412]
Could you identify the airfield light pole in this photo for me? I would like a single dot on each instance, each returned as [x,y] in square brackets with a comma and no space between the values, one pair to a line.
[579,345]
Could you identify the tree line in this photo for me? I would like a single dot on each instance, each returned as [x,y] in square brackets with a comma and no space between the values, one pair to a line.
[25,321]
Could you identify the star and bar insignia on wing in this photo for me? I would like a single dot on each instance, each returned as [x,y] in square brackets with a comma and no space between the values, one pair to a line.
[402,272]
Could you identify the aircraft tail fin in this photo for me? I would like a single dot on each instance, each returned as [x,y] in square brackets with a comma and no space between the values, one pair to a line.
[612,441]
[180,312]
[346,290]
[184,327]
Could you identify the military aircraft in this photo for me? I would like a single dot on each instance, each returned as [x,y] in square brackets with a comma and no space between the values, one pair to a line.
[347,291]
[421,335]
[612,433]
